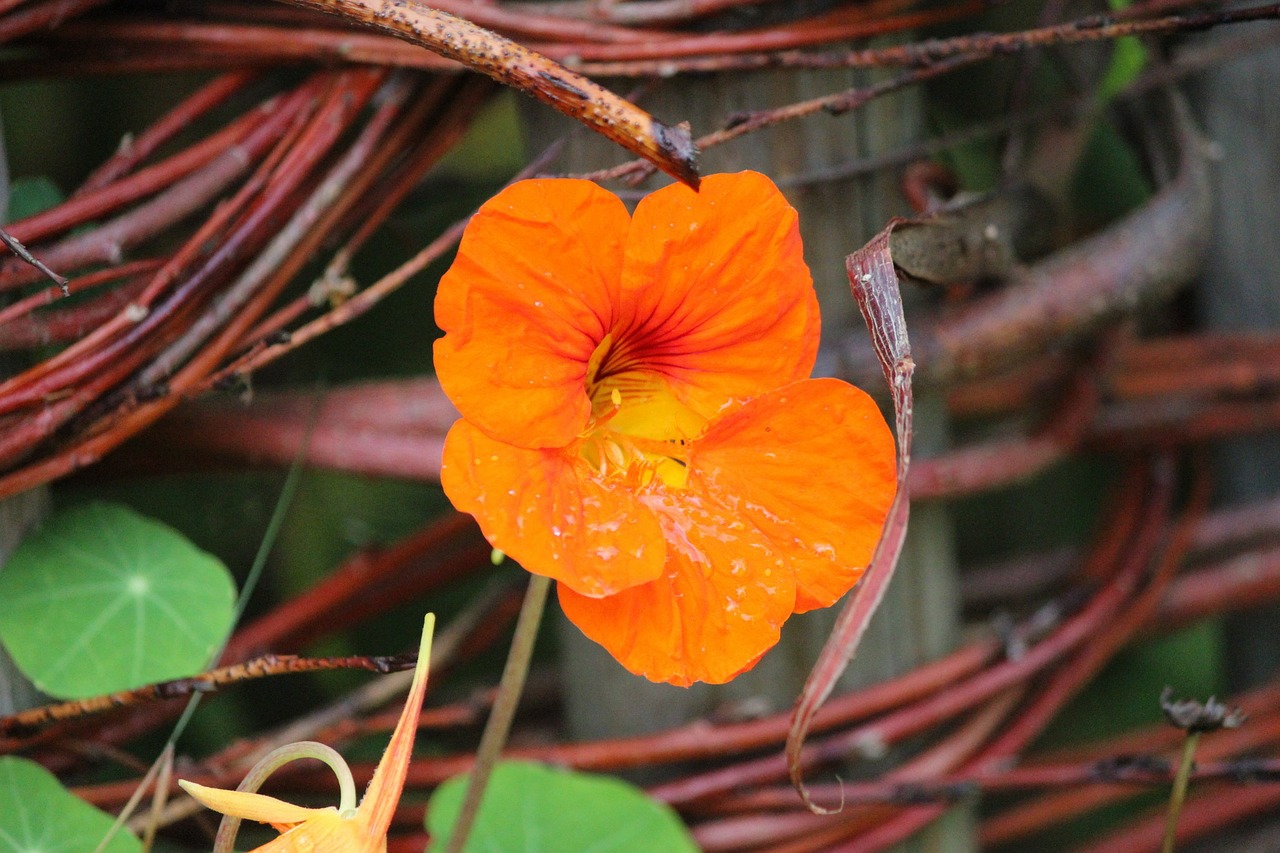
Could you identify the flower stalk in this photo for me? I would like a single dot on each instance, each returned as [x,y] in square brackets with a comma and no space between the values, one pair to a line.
[1179,794]
[498,726]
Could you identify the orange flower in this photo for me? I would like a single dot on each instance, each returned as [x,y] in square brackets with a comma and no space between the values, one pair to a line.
[637,423]
[346,829]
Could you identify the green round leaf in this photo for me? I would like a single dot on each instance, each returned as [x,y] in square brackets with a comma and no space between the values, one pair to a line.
[102,599]
[532,808]
[38,815]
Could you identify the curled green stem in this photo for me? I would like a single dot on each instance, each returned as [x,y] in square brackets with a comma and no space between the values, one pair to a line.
[504,709]
[273,761]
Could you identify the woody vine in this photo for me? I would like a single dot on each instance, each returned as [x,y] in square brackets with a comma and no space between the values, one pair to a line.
[638,422]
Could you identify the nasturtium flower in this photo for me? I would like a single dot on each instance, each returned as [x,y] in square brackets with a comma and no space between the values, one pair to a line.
[346,829]
[638,423]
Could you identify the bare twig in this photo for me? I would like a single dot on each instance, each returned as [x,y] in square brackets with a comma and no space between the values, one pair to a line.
[21,251]
[669,148]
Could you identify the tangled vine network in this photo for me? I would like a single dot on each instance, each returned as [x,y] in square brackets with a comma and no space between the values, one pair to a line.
[317,119]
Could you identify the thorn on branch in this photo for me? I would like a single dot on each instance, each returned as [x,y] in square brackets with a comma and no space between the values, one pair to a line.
[237,383]
[923,794]
[1119,768]
[1014,642]
[152,391]
[1252,770]
[1093,22]
[394,663]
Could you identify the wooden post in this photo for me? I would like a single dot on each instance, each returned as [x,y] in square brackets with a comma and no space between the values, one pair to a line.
[17,516]
[1240,291]
[919,620]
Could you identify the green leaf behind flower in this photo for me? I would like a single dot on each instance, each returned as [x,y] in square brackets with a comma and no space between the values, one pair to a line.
[38,815]
[537,809]
[101,599]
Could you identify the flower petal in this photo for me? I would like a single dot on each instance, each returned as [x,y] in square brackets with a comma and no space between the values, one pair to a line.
[383,794]
[717,608]
[547,510]
[525,304]
[257,807]
[328,833]
[812,467]
[715,292]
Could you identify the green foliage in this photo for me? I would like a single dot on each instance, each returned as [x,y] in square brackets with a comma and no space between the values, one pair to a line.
[335,513]
[490,151]
[533,808]
[976,163]
[38,815]
[29,196]
[102,599]
[1128,58]
[1109,179]
[1126,694]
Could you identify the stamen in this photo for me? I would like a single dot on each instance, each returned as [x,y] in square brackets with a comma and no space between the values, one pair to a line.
[614,453]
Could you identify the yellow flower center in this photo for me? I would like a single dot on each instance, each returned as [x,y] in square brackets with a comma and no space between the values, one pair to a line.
[639,430]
